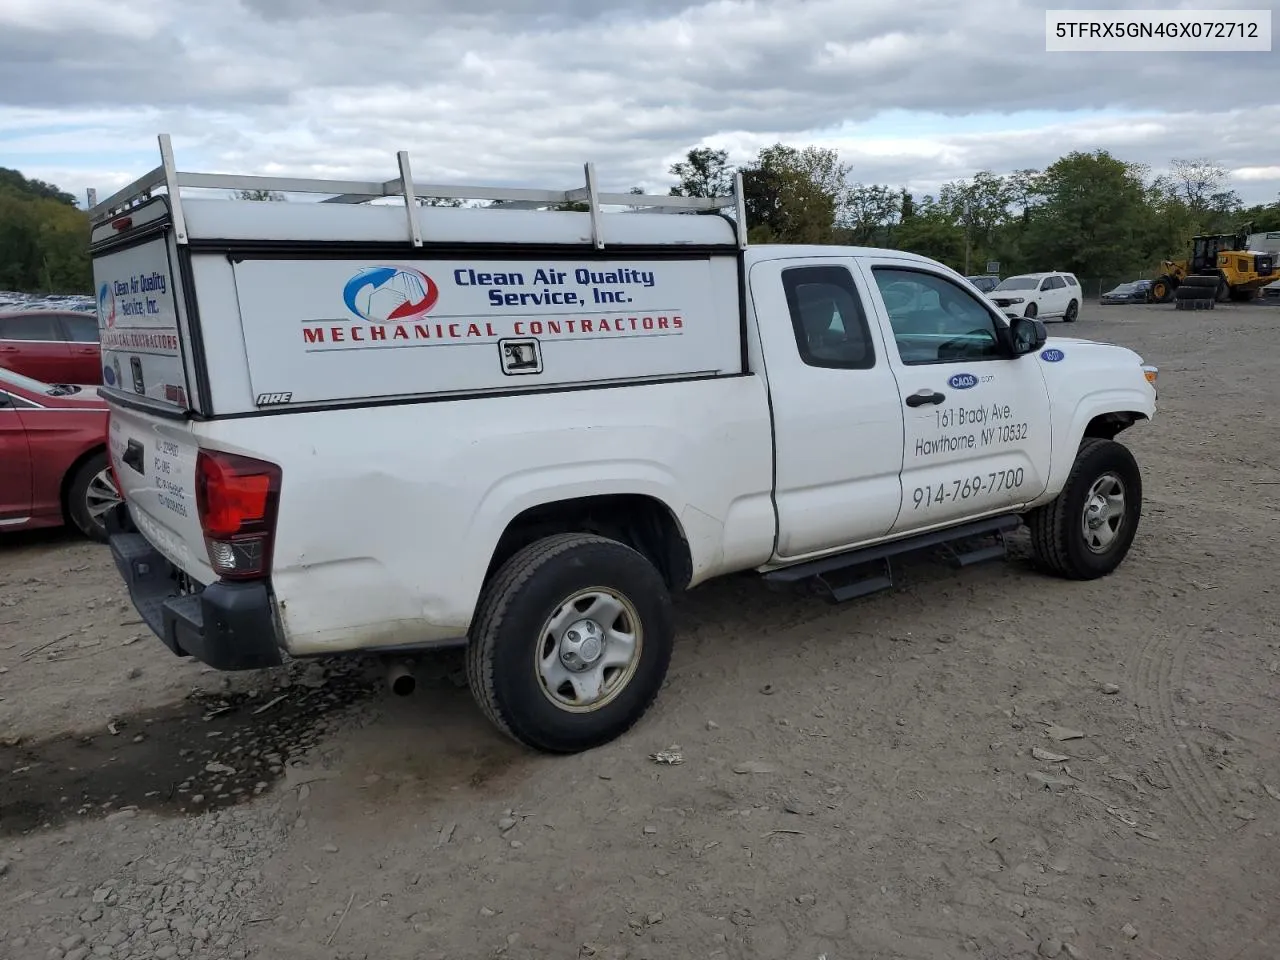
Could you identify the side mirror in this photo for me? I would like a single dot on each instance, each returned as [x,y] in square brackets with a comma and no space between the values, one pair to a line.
[1029,335]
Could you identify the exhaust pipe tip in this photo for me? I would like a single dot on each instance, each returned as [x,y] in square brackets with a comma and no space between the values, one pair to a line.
[401,680]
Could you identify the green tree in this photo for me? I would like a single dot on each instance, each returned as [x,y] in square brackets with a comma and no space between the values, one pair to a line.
[931,232]
[979,206]
[44,238]
[793,196]
[870,212]
[1091,216]
[703,173]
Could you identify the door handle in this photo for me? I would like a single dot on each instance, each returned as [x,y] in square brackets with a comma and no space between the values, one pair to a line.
[924,396]
[132,456]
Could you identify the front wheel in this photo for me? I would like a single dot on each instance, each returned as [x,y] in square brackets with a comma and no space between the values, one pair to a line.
[1086,532]
[571,643]
[1031,311]
[90,494]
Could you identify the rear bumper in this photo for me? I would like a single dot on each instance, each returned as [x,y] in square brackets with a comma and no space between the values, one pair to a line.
[229,626]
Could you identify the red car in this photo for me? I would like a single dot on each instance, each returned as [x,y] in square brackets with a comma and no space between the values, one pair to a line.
[56,346]
[53,456]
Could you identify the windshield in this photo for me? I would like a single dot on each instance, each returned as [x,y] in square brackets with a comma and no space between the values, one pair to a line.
[9,378]
[1019,283]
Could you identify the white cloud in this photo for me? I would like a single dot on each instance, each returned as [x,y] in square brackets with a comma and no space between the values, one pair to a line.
[514,92]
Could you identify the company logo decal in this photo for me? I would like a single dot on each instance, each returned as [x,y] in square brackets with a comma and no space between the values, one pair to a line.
[1051,355]
[390,294]
[963,381]
[107,304]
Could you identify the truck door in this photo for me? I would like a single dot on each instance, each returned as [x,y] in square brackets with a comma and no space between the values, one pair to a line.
[837,416]
[15,463]
[977,418]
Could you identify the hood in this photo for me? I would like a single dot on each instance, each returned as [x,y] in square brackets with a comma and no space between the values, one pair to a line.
[86,399]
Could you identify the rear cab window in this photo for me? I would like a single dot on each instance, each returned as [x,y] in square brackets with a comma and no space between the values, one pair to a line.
[827,318]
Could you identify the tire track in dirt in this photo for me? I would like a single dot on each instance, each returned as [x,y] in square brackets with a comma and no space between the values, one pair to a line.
[1156,674]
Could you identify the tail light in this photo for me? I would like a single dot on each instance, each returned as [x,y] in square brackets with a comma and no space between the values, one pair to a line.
[237,499]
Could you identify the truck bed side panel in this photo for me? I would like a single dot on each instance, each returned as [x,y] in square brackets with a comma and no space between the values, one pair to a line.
[389,515]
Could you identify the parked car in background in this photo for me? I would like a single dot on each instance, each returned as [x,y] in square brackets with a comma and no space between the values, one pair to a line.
[985,282]
[1048,296]
[1135,291]
[53,456]
[56,346]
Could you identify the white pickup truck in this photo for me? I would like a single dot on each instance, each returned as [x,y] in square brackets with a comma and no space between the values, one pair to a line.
[354,427]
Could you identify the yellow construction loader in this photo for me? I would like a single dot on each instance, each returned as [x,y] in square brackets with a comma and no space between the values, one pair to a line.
[1220,268]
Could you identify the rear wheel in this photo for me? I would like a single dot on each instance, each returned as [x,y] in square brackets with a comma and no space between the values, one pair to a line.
[90,494]
[1031,310]
[571,643]
[1162,290]
[1086,532]
[1073,311]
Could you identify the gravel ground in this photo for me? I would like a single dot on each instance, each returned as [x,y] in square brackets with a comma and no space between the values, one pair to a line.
[987,763]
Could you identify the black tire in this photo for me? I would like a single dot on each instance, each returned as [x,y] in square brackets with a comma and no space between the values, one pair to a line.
[1031,311]
[1058,528]
[85,493]
[1208,280]
[1223,292]
[1073,311]
[1162,290]
[521,598]
[1191,292]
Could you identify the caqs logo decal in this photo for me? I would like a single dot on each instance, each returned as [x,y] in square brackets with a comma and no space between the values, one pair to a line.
[390,294]
[107,304]
[1051,355]
[963,381]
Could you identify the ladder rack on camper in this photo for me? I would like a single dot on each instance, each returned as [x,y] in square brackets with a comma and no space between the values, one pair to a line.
[355,191]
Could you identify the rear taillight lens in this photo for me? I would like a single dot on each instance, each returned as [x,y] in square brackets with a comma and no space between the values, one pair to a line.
[237,499]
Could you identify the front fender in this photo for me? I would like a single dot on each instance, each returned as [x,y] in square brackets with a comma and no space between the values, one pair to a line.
[1091,380]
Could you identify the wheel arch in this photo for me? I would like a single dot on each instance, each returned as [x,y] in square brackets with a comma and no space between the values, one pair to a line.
[1102,416]
[642,521]
[68,475]
[1107,426]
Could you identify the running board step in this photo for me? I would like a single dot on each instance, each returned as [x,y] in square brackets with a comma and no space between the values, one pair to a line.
[820,572]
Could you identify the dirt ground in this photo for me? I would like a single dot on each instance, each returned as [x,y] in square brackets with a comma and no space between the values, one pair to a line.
[150,808]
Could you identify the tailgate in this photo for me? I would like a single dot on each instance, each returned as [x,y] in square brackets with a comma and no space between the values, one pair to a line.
[155,464]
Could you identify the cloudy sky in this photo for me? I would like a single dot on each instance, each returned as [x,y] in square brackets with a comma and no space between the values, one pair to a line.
[521,92]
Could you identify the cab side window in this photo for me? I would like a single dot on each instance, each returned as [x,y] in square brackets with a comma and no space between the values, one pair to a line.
[80,328]
[30,327]
[827,317]
[935,320]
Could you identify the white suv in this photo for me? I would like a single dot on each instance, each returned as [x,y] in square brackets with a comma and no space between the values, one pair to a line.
[1048,296]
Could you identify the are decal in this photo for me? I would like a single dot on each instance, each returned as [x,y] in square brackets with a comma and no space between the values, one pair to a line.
[1052,355]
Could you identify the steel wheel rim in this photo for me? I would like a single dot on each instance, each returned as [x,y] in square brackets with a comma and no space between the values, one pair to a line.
[101,495]
[1103,517]
[588,650]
